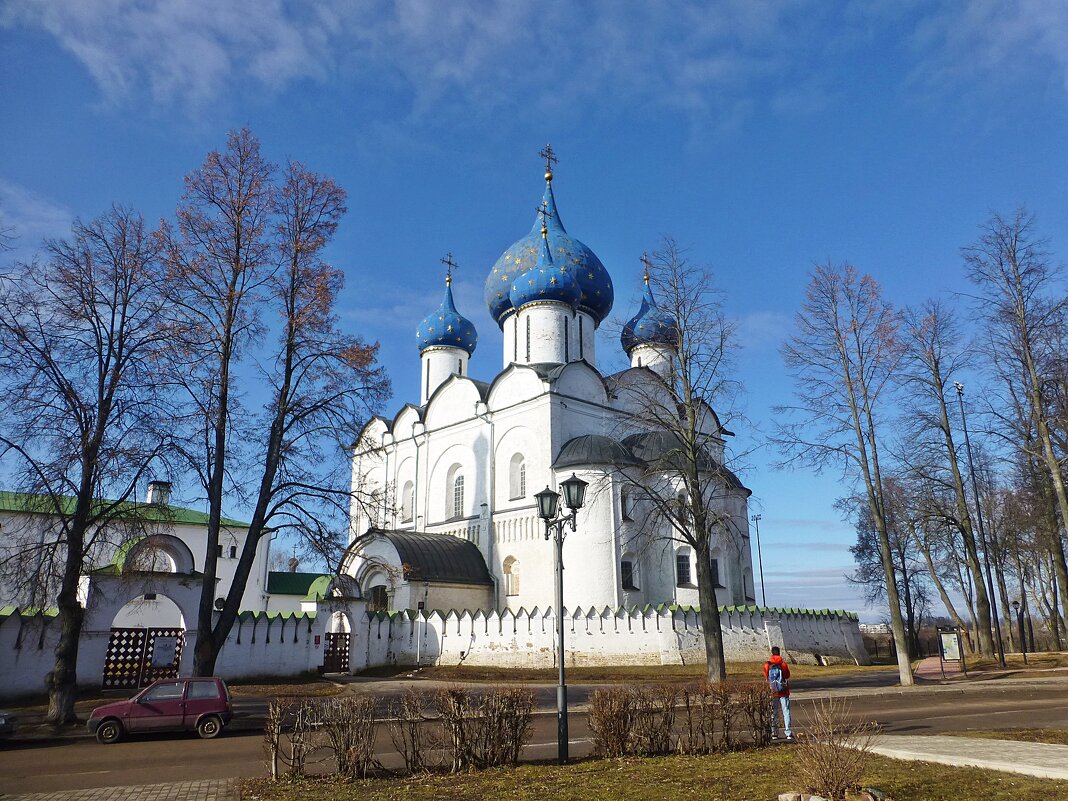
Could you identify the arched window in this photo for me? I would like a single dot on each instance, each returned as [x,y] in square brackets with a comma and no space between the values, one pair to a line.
[517,477]
[458,496]
[407,502]
[511,576]
[378,599]
[626,505]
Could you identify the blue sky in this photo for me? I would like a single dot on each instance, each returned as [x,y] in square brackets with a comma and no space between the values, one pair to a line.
[764,136]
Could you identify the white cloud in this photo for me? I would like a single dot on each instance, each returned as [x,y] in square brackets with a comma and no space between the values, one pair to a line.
[31,219]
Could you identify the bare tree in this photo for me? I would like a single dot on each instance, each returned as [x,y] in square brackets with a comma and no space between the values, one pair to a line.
[1025,319]
[935,354]
[246,248]
[842,357]
[80,349]
[684,483]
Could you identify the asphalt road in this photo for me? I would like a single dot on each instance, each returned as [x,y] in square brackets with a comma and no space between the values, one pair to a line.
[79,763]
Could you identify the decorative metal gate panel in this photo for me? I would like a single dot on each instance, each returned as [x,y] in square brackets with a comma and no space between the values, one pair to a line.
[336,652]
[136,657]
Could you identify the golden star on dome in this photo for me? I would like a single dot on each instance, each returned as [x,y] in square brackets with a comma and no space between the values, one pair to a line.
[552,280]
[449,328]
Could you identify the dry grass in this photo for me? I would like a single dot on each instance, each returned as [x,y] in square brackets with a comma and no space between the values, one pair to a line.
[611,674]
[300,687]
[740,776]
[1040,661]
[1050,736]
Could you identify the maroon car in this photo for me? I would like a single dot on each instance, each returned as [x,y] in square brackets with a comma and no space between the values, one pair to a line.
[200,705]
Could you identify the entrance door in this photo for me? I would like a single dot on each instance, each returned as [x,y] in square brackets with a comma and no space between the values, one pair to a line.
[336,652]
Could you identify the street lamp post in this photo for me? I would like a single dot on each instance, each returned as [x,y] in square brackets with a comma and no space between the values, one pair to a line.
[548,504]
[760,561]
[1020,625]
[979,521]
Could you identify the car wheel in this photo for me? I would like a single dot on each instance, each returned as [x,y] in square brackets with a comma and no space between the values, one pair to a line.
[110,731]
[209,727]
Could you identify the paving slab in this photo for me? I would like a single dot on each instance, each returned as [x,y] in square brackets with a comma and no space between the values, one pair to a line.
[218,790]
[1033,759]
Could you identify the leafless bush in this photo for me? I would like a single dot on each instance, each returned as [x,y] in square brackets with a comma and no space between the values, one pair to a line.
[832,753]
[754,701]
[349,726]
[611,716]
[305,718]
[272,736]
[501,726]
[487,730]
[415,736]
[701,712]
[653,720]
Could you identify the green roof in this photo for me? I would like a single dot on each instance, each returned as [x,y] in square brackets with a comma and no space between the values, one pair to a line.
[20,502]
[284,582]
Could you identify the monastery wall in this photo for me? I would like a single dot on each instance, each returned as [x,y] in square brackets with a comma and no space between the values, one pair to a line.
[639,637]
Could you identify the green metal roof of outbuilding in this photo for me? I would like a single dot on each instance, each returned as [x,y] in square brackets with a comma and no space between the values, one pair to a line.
[24,503]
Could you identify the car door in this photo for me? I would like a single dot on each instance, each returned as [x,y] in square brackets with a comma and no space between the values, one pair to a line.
[202,697]
[159,707]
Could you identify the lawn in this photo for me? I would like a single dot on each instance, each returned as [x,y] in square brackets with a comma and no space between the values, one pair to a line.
[610,674]
[1051,736]
[1050,659]
[744,776]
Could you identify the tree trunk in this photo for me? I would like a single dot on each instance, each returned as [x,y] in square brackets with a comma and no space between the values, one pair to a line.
[710,625]
[946,600]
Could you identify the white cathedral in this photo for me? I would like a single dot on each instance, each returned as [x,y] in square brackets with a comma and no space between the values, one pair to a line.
[455,525]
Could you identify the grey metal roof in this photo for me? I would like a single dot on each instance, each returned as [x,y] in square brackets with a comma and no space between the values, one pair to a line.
[663,450]
[438,557]
[594,449]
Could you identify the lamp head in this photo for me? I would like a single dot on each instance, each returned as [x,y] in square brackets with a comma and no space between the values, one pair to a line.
[1016,607]
[548,503]
[574,492]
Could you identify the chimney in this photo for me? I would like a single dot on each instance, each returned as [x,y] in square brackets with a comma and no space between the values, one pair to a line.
[159,493]
[293,562]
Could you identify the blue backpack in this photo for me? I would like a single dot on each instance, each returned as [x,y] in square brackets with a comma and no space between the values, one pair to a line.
[775,679]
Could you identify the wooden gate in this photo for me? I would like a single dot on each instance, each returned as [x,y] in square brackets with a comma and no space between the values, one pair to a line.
[336,652]
[137,657]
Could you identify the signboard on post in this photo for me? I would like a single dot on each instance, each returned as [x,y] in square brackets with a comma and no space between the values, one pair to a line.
[950,650]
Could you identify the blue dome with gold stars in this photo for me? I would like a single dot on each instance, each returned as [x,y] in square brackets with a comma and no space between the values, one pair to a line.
[594,283]
[447,328]
[650,326]
[545,281]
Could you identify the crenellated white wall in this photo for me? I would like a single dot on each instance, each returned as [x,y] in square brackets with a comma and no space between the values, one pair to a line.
[637,637]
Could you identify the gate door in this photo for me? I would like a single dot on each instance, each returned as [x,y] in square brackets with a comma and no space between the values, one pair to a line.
[136,657]
[336,653]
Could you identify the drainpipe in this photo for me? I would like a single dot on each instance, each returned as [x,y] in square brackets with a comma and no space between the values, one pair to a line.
[482,413]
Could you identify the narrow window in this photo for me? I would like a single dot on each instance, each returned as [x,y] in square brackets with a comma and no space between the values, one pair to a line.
[528,339]
[517,477]
[567,348]
[515,339]
[460,366]
[624,505]
[233,552]
[458,496]
[407,502]
[639,361]
[715,573]
[511,576]
[221,550]
[626,572]
[428,378]
[581,337]
[682,569]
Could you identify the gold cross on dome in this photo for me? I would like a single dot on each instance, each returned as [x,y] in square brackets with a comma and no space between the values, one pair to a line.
[450,265]
[645,265]
[549,155]
[545,214]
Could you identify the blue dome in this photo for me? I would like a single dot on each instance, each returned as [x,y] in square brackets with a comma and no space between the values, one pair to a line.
[447,328]
[546,281]
[595,284]
[650,326]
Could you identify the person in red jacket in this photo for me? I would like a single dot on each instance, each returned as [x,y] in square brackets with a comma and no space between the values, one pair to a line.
[777,673]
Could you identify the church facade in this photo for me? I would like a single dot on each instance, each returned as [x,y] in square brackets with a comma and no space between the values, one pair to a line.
[455,525]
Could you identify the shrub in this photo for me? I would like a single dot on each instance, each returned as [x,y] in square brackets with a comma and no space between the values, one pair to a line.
[611,717]
[349,726]
[755,703]
[415,736]
[833,751]
[487,730]
[653,719]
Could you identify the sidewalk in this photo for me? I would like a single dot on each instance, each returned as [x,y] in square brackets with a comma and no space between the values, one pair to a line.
[1033,759]
[220,790]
